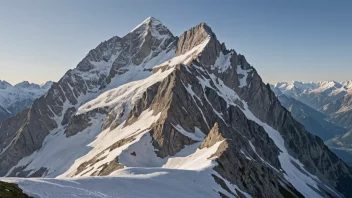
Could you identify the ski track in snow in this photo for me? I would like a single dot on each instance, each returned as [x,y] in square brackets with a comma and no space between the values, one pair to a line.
[128,183]
[188,174]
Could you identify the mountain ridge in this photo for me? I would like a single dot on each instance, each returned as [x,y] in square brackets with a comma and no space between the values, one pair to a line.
[329,97]
[152,100]
[334,101]
[15,98]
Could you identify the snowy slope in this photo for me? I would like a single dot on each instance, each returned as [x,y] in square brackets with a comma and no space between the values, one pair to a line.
[127,183]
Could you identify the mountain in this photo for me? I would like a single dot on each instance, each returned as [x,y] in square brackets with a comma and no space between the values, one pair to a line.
[164,115]
[14,99]
[329,97]
[314,94]
[313,120]
[342,146]
[341,111]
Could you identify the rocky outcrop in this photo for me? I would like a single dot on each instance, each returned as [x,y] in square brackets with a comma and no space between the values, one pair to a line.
[8,190]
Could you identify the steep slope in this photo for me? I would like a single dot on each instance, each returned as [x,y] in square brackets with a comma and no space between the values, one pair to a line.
[14,99]
[202,112]
[4,113]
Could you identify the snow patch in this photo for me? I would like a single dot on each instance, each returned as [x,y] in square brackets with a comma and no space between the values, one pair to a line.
[187,57]
[223,62]
[198,135]
[243,80]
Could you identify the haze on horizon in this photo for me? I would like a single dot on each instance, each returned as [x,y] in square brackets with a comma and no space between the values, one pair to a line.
[284,41]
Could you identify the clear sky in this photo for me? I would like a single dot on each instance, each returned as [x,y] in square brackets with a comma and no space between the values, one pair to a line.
[284,40]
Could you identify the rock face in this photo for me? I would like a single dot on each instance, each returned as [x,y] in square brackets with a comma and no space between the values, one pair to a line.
[150,99]
[4,113]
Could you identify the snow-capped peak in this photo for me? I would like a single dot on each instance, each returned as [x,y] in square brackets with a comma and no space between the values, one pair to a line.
[309,86]
[147,21]
[347,84]
[15,98]
[4,84]
[154,26]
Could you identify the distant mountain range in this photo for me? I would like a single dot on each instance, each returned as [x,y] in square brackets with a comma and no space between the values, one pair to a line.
[324,108]
[14,99]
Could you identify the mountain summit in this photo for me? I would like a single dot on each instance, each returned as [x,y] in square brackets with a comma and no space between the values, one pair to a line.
[161,108]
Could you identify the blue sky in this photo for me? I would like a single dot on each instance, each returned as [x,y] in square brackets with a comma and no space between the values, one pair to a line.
[284,40]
